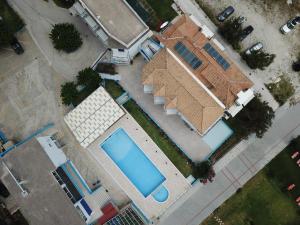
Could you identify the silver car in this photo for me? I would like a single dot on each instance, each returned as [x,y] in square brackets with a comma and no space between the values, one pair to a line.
[254,48]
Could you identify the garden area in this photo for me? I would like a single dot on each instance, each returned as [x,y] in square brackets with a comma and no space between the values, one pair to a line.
[265,198]
[281,90]
[153,12]
[10,23]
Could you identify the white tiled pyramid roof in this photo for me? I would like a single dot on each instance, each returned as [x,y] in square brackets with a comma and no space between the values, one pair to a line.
[92,117]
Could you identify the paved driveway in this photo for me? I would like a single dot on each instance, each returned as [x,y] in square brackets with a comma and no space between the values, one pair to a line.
[39,17]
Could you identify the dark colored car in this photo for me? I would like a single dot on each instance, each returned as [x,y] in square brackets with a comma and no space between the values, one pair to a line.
[225,13]
[16,46]
[248,30]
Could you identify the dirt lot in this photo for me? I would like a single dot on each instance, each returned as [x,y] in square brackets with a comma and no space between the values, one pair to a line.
[266,20]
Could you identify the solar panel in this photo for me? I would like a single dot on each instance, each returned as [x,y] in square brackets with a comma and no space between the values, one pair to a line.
[189,57]
[216,55]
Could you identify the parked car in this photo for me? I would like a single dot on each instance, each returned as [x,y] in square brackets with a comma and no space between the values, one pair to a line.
[248,30]
[254,48]
[225,13]
[290,25]
[16,46]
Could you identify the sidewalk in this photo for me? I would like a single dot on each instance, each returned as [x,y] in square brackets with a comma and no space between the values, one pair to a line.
[234,170]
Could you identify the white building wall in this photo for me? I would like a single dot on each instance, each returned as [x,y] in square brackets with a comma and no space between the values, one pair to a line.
[148,89]
[171,111]
[158,100]
[56,155]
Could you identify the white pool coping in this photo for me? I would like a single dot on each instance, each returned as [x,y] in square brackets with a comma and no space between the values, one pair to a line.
[175,182]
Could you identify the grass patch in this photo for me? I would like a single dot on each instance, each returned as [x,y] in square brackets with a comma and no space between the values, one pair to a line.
[64,3]
[263,200]
[153,12]
[281,90]
[163,9]
[113,89]
[182,163]
[10,17]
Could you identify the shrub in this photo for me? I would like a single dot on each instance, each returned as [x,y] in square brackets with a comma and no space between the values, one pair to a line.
[106,68]
[258,60]
[65,37]
[64,3]
[203,170]
[69,93]
[281,90]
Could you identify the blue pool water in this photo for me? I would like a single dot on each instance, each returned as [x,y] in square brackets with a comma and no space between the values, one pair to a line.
[217,135]
[161,194]
[133,162]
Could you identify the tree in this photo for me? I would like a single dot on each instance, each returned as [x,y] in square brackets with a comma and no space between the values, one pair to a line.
[68,93]
[231,31]
[88,77]
[204,170]
[258,60]
[296,66]
[256,118]
[65,37]
[6,35]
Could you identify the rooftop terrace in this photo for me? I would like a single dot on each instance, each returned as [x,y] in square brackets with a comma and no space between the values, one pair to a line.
[117,19]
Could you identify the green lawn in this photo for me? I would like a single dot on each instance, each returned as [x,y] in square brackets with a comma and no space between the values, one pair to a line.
[163,9]
[10,17]
[264,199]
[113,88]
[160,138]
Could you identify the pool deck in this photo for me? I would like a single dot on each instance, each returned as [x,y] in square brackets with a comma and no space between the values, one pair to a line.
[175,182]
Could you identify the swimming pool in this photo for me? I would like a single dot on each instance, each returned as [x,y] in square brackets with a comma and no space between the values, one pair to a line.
[133,162]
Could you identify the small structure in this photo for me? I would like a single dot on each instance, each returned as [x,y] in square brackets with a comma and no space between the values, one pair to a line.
[92,117]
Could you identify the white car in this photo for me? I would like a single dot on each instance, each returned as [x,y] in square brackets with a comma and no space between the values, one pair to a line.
[290,25]
[254,48]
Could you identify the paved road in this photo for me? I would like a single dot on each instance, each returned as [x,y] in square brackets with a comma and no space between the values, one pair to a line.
[235,169]
[189,7]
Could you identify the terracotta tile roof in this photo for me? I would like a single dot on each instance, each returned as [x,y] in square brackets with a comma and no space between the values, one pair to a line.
[181,91]
[224,84]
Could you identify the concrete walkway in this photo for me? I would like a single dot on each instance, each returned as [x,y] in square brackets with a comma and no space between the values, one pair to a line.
[189,141]
[190,7]
[234,170]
